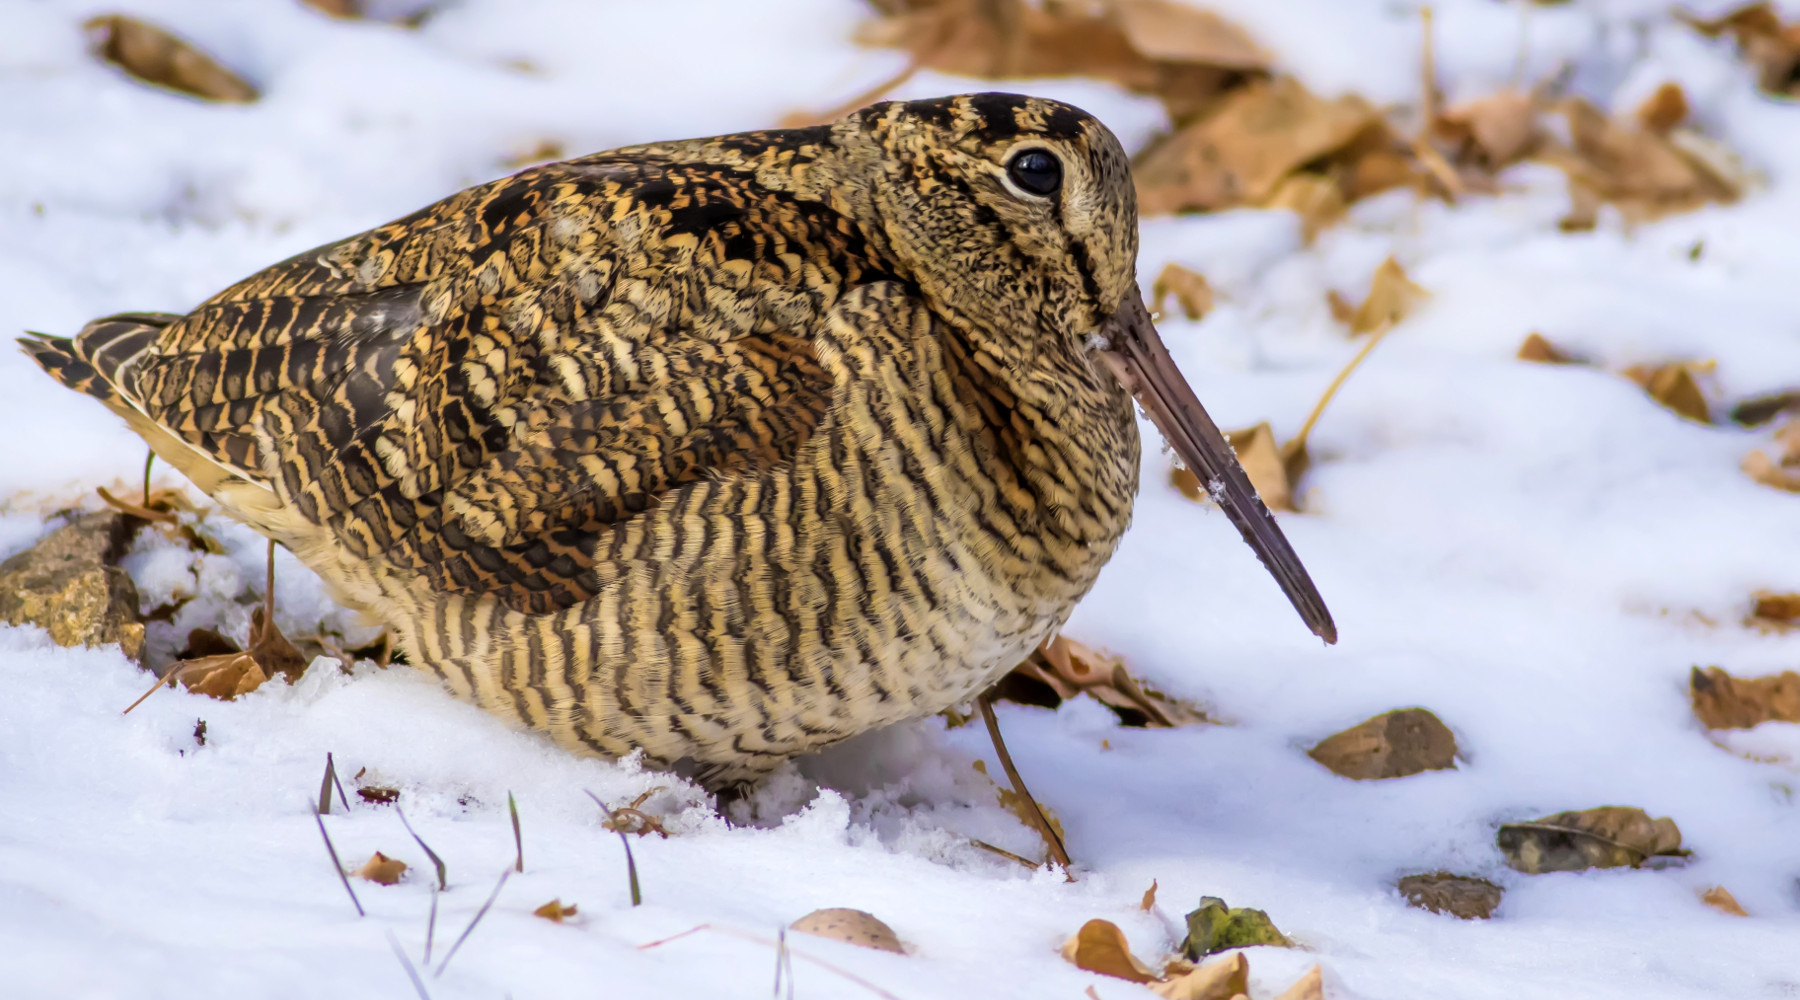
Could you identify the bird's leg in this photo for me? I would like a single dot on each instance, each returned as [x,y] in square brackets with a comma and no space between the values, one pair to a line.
[1058,853]
[268,585]
[149,460]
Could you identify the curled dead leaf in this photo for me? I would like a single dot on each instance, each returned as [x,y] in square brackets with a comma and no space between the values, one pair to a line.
[1221,979]
[1394,744]
[1537,348]
[1719,898]
[1392,296]
[1607,837]
[1759,410]
[556,911]
[1722,701]
[1767,471]
[1100,946]
[381,868]
[1647,174]
[1308,987]
[155,56]
[225,676]
[1062,668]
[851,927]
[1674,385]
[1190,289]
[1664,109]
[1491,132]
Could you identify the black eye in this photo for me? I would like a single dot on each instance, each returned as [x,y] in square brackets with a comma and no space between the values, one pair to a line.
[1036,171]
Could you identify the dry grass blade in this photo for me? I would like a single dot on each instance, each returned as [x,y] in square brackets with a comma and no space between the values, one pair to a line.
[406,963]
[1008,855]
[143,511]
[505,873]
[637,895]
[325,785]
[168,678]
[795,952]
[518,840]
[783,964]
[443,881]
[431,925]
[1051,839]
[336,865]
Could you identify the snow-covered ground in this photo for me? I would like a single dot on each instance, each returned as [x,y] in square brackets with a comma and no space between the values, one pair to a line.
[1538,554]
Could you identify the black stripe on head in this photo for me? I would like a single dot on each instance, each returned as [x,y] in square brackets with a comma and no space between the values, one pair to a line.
[999,114]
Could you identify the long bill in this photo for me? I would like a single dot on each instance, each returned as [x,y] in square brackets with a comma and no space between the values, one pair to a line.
[1144,364]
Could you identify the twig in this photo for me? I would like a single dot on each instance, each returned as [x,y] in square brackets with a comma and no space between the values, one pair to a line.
[431,925]
[505,873]
[139,511]
[1058,852]
[1008,855]
[747,936]
[637,897]
[1338,383]
[783,964]
[168,678]
[443,881]
[325,784]
[518,841]
[411,973]
[336,865]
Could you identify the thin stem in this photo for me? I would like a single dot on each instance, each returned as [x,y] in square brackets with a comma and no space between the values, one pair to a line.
[1337,383]
[336,865]
[1057,852]
[411,973]
[505,873]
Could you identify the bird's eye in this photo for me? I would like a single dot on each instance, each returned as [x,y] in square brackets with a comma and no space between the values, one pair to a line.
[1035,171]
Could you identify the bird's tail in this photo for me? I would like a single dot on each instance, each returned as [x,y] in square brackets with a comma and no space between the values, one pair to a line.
[96,360]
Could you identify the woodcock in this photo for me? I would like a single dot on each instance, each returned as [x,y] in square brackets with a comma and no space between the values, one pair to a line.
[725,449]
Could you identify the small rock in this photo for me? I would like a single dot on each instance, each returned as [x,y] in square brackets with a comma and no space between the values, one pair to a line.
[1216,927]
[1393,745]
[1607,837]
[1462,896]
[850,926]
[70,585]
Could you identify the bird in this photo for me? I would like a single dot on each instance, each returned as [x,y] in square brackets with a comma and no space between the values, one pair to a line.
[723,450]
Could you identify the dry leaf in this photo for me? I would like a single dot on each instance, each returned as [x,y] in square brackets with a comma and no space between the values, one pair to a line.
[1674,386]
[1536,348]
[1240,153]
[224,676]
[1341,309]
[1218,980]
[1722,701]
[1149,899]
[1264,464]
[1647,174]
[381,868]
[1719,898]
[1318,201]
[1462,896]
[1395,744]
[1759,410]
[1392,296]
[1607,837]
[1308,987]
[1777,611]
[1190,289]
[1182,33]
[1663,110]
[1492,132]
[1768,472]
[380,795]
[555,910]
[347,9]
[1101,947]
[851,927]
[1772,47]
[1062,668]
[156,56]
[273,652]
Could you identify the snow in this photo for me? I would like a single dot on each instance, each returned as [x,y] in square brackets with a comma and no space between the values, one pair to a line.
[1538,554]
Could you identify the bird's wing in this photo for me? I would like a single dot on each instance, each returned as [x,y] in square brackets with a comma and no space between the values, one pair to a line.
[477,392]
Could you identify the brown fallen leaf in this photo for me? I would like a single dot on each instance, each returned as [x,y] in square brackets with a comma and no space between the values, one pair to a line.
[1759,410]
[346,9]
[1607,837]
[1182,33]
[1663,110]
[1647,174]
[1394,744]
[155,56]
[380,795]
[272,650]
[225,676]
[1342,310]
[1392,296]
[1190,289]
[1719,898]
[381,868]
[1722,701]
[1021,808]
[1767,44]
[851,927]
[1308,987]
[1774,611]
[1239,154]
[1062,668]
[556,911]
[1220,979]
[1674,385]
[1767,471]
[1491,132]
[1317,199]
[1462,896]
[1536,348]
[1101,947]
[1149,899]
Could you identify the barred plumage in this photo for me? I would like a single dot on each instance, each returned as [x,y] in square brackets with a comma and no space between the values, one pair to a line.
[725,449]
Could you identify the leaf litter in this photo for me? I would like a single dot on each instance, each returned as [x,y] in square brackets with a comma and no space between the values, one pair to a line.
[1607,837]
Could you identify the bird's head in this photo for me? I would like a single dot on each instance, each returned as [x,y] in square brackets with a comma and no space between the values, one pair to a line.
[1016,217]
